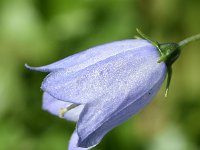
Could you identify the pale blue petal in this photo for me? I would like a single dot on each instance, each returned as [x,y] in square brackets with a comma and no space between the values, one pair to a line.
[103,117]
[91,56]
[106,76]
[73,142]
[54,105]
[93,116]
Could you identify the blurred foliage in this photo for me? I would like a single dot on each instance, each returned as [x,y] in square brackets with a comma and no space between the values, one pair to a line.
[39,32]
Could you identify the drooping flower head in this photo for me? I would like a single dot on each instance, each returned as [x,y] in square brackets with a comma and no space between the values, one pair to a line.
[102,87]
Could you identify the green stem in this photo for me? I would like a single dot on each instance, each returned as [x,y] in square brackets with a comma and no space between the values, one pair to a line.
[188,40]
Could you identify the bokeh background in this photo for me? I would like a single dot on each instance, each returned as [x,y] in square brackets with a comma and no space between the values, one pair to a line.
[39,32]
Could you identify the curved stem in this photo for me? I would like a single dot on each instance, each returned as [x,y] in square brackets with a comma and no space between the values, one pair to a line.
[188,40]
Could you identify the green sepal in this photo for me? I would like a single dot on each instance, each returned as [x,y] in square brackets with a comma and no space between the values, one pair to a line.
[163,58]
[155,43]
[137,37]
[169,76]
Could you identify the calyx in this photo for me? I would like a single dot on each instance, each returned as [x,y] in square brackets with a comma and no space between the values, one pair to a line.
[169,52]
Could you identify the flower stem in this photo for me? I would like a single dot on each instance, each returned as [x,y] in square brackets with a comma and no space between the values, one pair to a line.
[188,40]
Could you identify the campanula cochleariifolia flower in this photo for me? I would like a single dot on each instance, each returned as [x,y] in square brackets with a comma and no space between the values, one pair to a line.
[102,87]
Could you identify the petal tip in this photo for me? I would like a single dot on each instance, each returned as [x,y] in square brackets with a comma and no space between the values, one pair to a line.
[41,69]
[73,143]
[31,68]
[27,66]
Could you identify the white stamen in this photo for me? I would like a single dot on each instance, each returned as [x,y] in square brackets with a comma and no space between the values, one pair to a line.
[62,111]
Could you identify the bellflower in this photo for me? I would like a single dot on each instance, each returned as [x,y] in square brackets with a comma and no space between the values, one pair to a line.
[102,87]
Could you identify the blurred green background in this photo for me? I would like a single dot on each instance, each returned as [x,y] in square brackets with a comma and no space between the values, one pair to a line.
[39,32]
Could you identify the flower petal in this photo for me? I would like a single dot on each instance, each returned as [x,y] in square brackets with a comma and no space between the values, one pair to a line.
[103,117]
[108,75]
[73,142]
[91,56]
[54,105]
